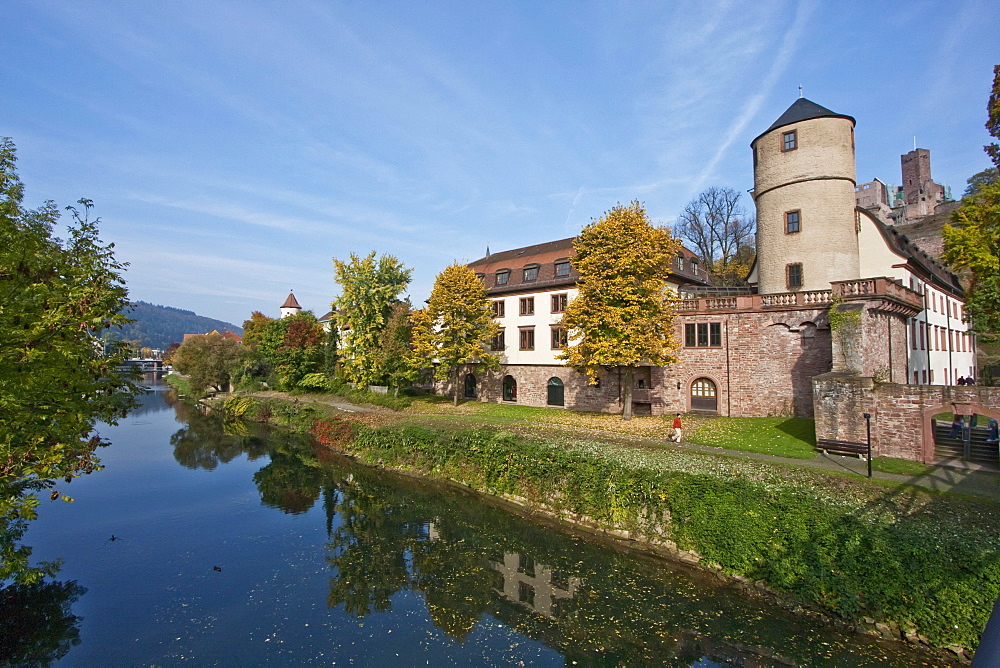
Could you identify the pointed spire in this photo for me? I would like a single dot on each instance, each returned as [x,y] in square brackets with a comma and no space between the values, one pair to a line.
[291,302]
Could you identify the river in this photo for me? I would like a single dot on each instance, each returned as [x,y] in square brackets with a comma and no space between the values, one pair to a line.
[226,544]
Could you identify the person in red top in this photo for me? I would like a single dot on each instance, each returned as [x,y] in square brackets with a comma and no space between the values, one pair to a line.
[676,436]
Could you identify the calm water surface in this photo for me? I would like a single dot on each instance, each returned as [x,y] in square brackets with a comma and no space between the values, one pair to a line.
[222,544]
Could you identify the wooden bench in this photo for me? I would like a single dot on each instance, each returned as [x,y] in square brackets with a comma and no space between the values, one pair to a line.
[830,445]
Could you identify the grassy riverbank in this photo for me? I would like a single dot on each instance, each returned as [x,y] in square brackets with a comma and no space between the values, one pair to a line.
[860,551]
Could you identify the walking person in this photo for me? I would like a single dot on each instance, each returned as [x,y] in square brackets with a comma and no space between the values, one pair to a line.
[957,427]
[676,436]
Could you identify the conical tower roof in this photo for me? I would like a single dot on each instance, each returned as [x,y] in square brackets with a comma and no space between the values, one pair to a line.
[291,302]
[802,110]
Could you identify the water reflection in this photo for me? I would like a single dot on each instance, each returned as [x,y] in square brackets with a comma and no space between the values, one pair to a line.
[37,625]
[472,561]
[397,553]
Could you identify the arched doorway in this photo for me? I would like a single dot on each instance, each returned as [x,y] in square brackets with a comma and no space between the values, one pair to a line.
[555,388]
[509,388]
[470,386]
[704,396]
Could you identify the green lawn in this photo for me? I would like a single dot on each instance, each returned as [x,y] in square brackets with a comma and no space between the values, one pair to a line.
[783,437]
[900,466]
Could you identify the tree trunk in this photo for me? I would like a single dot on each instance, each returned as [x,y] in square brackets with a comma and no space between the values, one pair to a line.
[627,382]
[454,385]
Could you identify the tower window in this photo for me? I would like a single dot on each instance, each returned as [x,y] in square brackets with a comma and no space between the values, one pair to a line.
[794,275]
[791,222]
[789,141]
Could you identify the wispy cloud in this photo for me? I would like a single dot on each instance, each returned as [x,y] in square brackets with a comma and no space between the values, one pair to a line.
[779,64]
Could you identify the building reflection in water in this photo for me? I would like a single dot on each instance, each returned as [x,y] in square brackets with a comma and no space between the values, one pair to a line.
[535,586]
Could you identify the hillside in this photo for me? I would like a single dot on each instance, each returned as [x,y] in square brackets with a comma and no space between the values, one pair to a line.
[158,326]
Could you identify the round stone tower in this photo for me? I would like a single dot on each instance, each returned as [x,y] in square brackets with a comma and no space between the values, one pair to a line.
[804,180]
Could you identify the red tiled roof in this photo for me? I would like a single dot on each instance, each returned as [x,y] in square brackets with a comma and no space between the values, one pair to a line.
[291,302]
[545,256]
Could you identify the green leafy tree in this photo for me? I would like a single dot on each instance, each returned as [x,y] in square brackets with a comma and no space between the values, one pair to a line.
[455,327]
[370,289]
[254,328]
[980,179]
[331,350]
[973,244]
[210,360]
[623,315]
[284,350]
[57,378]
[397,361]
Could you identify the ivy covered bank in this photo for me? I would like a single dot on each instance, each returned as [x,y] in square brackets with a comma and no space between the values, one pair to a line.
[920,566]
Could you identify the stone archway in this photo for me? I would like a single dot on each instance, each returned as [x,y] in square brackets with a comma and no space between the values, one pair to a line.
[927,414]
[704,395]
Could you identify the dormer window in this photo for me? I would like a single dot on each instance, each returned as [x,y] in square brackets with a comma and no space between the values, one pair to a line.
[531,274]
[503,276]
[562,269]
[680,262]
[694,266]
[789,141]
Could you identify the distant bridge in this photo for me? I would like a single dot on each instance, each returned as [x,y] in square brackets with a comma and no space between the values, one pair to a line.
[145,365]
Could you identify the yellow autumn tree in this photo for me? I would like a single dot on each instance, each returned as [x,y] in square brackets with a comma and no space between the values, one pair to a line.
[456,325]
[623,316]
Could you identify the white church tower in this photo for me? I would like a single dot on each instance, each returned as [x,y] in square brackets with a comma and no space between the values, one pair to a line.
[290,307]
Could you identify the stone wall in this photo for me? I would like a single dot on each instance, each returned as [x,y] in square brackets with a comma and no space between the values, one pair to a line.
[764,365]
[900,414]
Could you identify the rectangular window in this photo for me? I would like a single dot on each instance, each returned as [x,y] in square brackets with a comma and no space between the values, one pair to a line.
[497,343]
[527,338]
[916,377]
[527,306]
[498,308]
[502,277]
[558,338]
[789,141]
[931,372]
[923,336]
[562,269]
[702,334]
[791,222]
[923,375]
[794,275]
[530,274]
[559,303]
[680,263]
[913,332]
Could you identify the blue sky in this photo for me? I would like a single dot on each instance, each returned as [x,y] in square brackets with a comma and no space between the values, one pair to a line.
[234,148]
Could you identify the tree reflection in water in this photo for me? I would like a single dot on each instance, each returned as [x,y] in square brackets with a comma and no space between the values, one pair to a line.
[469,559]
[36,624]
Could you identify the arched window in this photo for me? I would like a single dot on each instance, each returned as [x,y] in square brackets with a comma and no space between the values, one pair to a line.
[509,388]
[704,396]
[555,388]
[470,386]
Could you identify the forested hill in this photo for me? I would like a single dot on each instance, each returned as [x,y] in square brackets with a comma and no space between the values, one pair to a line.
[158,326]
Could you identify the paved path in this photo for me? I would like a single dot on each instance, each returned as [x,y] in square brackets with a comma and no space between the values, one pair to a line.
[956,478]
